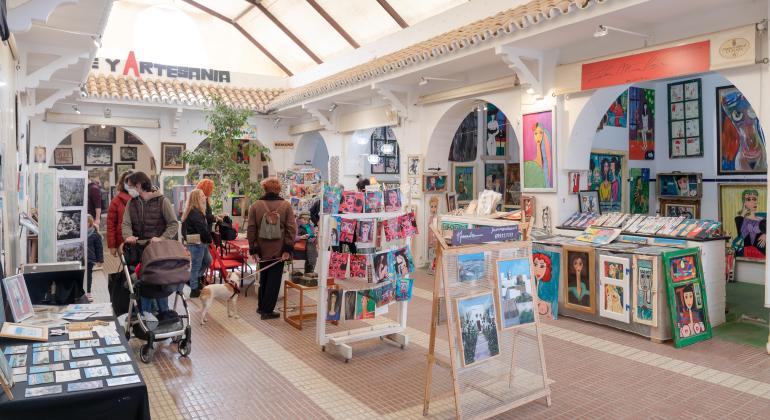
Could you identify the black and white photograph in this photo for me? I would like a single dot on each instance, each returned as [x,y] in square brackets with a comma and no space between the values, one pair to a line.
[97,155]
[72,192]
[129,154]
[97,134]
[68,224]
[72,251]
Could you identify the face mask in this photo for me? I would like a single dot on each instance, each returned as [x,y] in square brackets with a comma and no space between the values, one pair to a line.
[133,193]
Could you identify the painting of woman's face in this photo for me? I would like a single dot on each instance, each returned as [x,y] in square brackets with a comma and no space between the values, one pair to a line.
[688,299]
[750,202]
[577,264]
[392,198]
[350,200]
[540,267]
[538,134]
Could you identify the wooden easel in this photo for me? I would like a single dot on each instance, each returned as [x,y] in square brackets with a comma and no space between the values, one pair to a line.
[441,289]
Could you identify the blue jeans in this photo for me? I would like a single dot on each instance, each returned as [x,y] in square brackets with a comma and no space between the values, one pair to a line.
[147,304]
[200,260]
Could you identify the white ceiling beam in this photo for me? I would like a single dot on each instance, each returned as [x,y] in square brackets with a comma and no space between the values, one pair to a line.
[82,119]
[322,119]
[528,65]
[20,18]
[46,72]
[396,104]
[48,102]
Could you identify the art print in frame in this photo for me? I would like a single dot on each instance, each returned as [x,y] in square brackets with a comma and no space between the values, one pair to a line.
[494,176]
[683,268]
[463,177]
[72,192]
[129,138]
[171,155]
[680,185]
[616,113]
[546,268]
[100,134]
[70,251]
[121,167]
[614,287]
[689,209]
[496,137]
[333,304]
[451,201]
[392,200]
[414,165]
[743,214]
[170,182]
[539,146]
[434,183]
[97,155]
[62,156]
[17,297]
[69,224]
[641,123]
[645,287]
[476,325]
[129,154]
[639,202]
[740,139]
[23,332]
[687,300]
[512,184]
[528,207]
[607,171]
[578,268]
[471,267]
[588,202]
[685,124]
[514,293]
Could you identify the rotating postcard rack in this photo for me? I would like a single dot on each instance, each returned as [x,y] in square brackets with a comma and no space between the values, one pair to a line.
[495,346]
[339,342]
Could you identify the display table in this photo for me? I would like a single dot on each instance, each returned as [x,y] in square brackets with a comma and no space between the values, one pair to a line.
[297,320]
[129,402]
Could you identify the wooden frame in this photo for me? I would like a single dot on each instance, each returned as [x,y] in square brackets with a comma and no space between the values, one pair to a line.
[121,167]
[625,282]
[425,186]
[129,149]
[530,290]
[640,285]
[583,209]
[96,147]
[670,178]
[692,205]
[455,167]
[728,220]
[623,185]
[678,138]
[176,163]
[414,165]
[589,267]
[23,332]
[62,156]
[458,325]
[97,134]
[694,324]
[525,146]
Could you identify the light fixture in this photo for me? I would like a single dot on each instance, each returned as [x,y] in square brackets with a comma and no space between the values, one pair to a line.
[387,149]
[83,91]
[530,91]
[373,159]
[97,40]
[75,108]
[107,113]
[333,107]
[103,126]
[603,30]
[276,122]
[424,80]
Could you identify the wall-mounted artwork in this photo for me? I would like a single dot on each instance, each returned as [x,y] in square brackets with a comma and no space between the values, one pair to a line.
[588,202]
[100,134]
[103,174]
[464,143]
[685,126]
[464,183]
[690,209]
[740,139]
[434,183]
[515,300]
[743,214]
[476,320]
[122,167]
[495,144]
[70,251]
[546,266]
[414,165]
[645,297]
[494,176]
[614,284]
[171,155]
[616,113]
[686,297]
[680,185]
[72,192]
[641,124]
[129,154]
[62,156]
[40,154]
[640,190]
[68,224]
[608,169]
[512,184]
[170,182]
[578,267]
[471,267]
[97,155]
[539,152]
[129,138]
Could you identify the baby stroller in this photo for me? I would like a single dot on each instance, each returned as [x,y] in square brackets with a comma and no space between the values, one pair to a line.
[163,268]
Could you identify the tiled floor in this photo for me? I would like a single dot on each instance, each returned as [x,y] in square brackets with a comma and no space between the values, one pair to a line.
[249,368]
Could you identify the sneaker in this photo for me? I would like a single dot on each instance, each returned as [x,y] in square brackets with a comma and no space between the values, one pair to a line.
[89,297]
[272,315]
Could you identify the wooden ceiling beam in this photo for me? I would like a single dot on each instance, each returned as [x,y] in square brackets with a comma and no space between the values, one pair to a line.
[393,13]
[330,20]
[285,30]
[243,32]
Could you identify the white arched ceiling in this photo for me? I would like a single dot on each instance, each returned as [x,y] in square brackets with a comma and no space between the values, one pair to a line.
[311,150]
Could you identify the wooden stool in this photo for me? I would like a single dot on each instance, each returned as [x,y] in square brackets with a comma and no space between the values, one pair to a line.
[297,320]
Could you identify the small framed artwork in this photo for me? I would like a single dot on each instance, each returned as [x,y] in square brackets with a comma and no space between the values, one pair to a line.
[685,125]
[608,172]
[237,204]
[645,288]
[528,207]
[414,165]
[471,268]
[588,202]
[62,156]
[512,184]
[129,138]
[675,208]
[614,281]
[434,183]
[18,297]
[574,182]
[475,316]
[129,154]
[494,176]
[122,167]
[171,155]
[97,155]
[680,185]
[451,201]
[24,332]
[100,134]
[464,182]
[743,210]
[578,267]
[515,299]
[686,297]
[740,140]
[40,154]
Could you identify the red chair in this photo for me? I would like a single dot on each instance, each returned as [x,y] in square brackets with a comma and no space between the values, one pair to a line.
[221,265]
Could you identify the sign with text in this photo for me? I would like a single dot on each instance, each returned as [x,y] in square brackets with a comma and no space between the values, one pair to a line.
[484,234]
[283,144]
[658,64]
[145,68]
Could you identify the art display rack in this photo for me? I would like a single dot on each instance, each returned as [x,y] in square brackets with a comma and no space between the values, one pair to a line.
[517,375]
[339,342]
[48,203]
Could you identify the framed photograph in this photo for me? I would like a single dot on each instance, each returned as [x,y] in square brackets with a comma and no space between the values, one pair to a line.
[129,154]
[514,293]
[97,155]
[451,201]
[639,178]
[414,165]
[546,268]
[97,134]
[528,207]
[24,332]
[588,202]
[62,156]
[641,123]
[614,283]
[680,185]
[237,206]
[740,139]
[434,183]
[686,297]
[476,326]
[512,184]
[18,297]
[539,144]
[743,214]
[71,251]
[72,192]
[122,167]
[578,268]
[494,177]
[471,268]
[129,138]
[675,208]
[171,155]
[464,182]
[40,154]
[645,288]
[607,170]
[685,125]
[68,224]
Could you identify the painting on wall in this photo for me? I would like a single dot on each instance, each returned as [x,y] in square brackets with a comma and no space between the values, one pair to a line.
[689,209]
[414,165]
[170,182]
[514,291]
[588,202]
[577,265]
[743,214]
[464,183]
[607,170]
[100,134]
[546,267]
[122,167]
[434,183]
[614,291]
[171,155]
[62,156]
[512,184]
[641,124]
[640,190]
[616,113]
[494,176]
[685,126]
[103,174]
[97,155]
[129,154]
[680,185]
[645,287]
[476,321]
[740,139]
[495,144]
[686,297]
[464,143]
[539,152]
[129,138]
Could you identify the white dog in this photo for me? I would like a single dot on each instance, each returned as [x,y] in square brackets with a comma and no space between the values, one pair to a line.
[228,290]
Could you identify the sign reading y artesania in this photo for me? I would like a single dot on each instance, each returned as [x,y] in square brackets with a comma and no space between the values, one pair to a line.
[145,68]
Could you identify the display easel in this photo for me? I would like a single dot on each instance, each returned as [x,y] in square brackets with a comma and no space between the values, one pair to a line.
[496,385]
[339,342]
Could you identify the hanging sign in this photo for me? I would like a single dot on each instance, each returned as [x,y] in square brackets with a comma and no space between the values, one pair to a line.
[145,68]
[283,144]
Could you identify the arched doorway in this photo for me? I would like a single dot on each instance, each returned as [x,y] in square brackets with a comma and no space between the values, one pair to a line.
[311,151]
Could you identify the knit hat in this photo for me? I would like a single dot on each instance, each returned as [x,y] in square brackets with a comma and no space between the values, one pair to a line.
[207,186]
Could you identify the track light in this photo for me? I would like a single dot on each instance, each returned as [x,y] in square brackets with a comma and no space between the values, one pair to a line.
[333,107]
[603,30]
[75,108]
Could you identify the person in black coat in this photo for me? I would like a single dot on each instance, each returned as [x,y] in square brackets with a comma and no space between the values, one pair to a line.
[95,255]
[197,237]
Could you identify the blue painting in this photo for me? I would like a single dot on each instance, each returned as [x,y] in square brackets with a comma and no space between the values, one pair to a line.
[546,266]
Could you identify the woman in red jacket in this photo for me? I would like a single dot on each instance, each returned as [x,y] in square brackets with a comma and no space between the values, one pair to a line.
[115,215]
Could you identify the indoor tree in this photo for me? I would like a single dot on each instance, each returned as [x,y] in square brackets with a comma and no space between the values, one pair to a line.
[223,152]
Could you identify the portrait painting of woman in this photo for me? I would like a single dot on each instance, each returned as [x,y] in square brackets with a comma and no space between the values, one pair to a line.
[743,213]
[579,270]
[539,151]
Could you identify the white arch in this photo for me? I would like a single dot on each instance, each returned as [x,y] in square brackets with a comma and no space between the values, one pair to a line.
[311,149]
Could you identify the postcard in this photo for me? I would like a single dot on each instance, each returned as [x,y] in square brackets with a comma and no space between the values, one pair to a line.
[80,335]
[16,349]
[123,381]
[46,368]
[111,340]
[84,386]
[17,360]
[338,265]
[347,230]
[85,363]
[359,266]
[43,390]
[86,352]
[40,378]
[18,370]
[111,349]
[120,370]
[61,355]
[94,342]
[118,358]
[40,357]
[68,375]
[95,372]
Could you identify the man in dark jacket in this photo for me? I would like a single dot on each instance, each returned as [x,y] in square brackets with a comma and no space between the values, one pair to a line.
[95,200]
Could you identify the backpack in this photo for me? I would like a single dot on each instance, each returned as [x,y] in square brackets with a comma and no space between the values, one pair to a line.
[270,226]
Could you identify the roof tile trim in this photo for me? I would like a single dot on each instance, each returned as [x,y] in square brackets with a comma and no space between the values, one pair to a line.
[504,23]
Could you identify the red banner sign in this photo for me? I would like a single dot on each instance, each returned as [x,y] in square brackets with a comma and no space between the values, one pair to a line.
[652,65]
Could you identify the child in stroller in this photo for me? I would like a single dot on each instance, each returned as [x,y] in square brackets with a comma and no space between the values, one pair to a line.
[152,298]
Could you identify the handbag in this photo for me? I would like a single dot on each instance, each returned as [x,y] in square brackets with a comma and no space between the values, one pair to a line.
[301,245]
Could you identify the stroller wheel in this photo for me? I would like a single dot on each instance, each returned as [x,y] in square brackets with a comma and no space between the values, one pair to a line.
[146,352]
[184,347]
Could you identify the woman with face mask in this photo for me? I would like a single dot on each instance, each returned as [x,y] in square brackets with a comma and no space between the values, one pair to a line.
[115,215]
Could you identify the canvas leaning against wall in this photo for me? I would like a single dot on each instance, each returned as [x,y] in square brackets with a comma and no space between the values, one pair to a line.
[743,214]
[539,144]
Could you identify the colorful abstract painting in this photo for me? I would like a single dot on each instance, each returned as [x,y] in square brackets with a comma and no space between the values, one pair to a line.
[640,190]
[616,113]
[539,152]
[606,170]
[641,124]
[740,140]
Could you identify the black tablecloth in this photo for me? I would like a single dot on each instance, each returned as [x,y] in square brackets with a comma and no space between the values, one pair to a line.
[113,403]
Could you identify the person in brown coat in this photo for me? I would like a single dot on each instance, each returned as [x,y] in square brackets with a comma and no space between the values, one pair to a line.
[267,251]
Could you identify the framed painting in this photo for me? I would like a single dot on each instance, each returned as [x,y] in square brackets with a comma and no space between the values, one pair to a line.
[40,154]
[512,184]
[24,332]
[62,156]
[588,202]
[434,183]
[641,124]
[614,283]
[680,185]
[471,268]
[451,201]
[645,286]
[171,155]
[675,208]
[464,182]
[578,268]
[740,139]
[129,138]
[169,182]
[129,154]
[685,125]
[104,175]
[616,113]
[686,297]
[546,268]
[122,167]
[17,296]
[607,170]
[539,144]
[414,165]
[743,214]
[514,293]
[496,140]
[97,154]
[640,190]
[476,326]
[100,134]
[528,207]
[464,145]
[494,176]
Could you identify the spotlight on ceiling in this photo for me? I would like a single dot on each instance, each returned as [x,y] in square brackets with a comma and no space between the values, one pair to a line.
[103,126]
[75,108]
[276,122]
[333,107]
[603,30]
[424,80]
